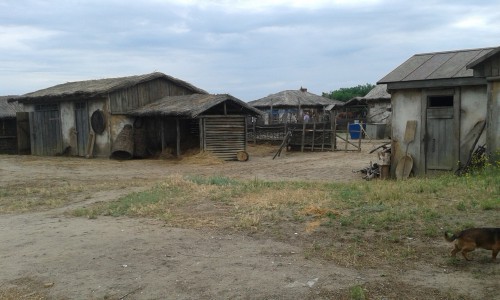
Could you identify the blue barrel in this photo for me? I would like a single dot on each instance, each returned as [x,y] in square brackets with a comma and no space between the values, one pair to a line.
[355,130]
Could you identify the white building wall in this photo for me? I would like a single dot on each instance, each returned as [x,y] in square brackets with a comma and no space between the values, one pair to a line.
[406,105]
[473,111]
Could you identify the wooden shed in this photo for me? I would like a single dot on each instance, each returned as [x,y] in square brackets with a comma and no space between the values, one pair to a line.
[206,122]
[8,125]
[488,66]
[455,109]
[89,118]
[290,106]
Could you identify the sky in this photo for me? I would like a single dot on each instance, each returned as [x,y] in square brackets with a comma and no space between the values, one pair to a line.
[249,49]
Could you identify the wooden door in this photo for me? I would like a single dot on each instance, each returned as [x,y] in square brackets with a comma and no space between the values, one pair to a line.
[440,147]
[23,133]
[82,127]
[45,128]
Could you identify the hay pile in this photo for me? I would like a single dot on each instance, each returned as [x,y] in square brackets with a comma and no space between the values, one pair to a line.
[201,158]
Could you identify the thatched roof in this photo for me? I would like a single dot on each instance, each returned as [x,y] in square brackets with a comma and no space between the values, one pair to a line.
[379,92]
[190,106]
[95,88]
[7,109]
[293,98]
[438,65]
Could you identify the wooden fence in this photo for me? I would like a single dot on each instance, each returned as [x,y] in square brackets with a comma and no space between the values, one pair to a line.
[305,136]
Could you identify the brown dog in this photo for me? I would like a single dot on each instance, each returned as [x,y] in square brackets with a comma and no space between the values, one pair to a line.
[472,238]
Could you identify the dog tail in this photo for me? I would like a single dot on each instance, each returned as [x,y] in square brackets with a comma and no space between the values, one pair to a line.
[450,238]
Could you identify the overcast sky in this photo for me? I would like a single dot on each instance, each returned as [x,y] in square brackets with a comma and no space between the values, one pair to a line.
[249,49]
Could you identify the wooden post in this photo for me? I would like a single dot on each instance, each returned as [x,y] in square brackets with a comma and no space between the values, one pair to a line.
[303,136]
[347,136]
[178,148]
[333,127]
[360,134]
[202,137]
[271,115]
[323,137]
[314,135]
[162,134]
[255,132]
[385,165]
[245,137]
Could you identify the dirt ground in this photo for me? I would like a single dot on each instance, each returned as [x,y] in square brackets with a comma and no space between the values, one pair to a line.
[48,255]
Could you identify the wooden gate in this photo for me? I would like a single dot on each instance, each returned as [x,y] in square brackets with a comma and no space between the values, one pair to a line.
[224,136]
[45,128]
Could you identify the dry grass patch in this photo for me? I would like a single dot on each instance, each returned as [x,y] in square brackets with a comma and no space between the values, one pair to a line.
[353,224]
[43,195]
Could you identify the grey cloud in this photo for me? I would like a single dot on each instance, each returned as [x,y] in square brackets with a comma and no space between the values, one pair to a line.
[247,53]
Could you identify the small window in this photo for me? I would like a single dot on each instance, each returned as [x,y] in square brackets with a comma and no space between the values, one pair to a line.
[440,101]
[46,107]
[80,105]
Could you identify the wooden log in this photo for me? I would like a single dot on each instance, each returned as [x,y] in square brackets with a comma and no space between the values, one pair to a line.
[242,155]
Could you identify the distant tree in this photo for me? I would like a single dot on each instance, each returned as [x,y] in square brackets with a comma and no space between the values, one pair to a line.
[345,94]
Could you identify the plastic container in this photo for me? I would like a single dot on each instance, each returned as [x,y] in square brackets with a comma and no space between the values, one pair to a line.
[355,131]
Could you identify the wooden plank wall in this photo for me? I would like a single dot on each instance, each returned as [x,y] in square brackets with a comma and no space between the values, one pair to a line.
[224,136]
[133,97]
[8,136]
[23,133]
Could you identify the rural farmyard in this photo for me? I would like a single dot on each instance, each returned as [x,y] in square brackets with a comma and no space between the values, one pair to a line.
[249,149]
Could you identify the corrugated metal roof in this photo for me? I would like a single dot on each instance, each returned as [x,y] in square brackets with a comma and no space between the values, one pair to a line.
[92,88]
[293,98]
[190,106]
[483,58]
[438,65]
[9,109]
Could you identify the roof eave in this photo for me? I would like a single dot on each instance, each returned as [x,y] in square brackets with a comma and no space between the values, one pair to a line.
[434,83]
[482,59]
